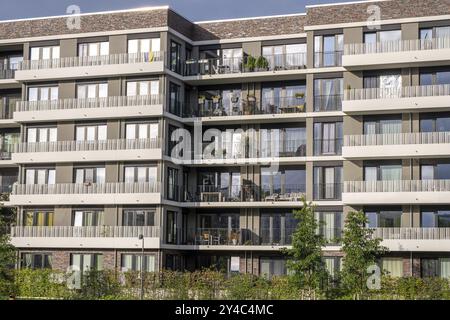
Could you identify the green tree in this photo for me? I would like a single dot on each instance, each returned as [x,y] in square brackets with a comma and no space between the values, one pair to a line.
[7,260]
[305,257]
[361,250]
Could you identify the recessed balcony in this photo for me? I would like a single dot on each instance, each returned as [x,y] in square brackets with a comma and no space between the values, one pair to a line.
[414,238]
[396,192]
[397,54]
[108,237]
[397,145]
[393,100]
[91,66]
[91,108]
[85,193]
[85,151]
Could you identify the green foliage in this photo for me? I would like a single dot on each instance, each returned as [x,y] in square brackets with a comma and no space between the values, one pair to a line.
[247,287]
[7,260]
[305,257]
[250,63]
[361,250]
[43,283]
[262,63]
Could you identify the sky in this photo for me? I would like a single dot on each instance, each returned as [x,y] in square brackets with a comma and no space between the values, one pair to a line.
[194,10]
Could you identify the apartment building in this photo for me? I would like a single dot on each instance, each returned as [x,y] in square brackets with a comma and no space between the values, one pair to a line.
[194,142]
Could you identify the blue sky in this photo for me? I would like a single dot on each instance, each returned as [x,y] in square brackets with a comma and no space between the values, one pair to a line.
[195,10]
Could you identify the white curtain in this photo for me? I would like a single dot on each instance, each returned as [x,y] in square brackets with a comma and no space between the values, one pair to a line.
[393,266]
[445,267]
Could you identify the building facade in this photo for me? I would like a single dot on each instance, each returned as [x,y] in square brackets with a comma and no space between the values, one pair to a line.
[139,129]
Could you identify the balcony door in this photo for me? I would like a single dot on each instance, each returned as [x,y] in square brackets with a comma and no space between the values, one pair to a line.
[90,175]
[40,176]
[136,174]
[91,133]
[88,218]
[41,134]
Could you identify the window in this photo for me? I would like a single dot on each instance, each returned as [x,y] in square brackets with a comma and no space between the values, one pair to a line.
[41,134]
[287,182]
[333,265]
[283,99]
[220,102]
[86,262]
[384,218]
[327,183]
[284,142]
[90,133]
[277,228]
[288,56]
[328,50]
[435,122]
[383,172]
[375,125]
[138,217]
[132,262]
[435,171]
[88,218]
[93,90]
[38,218]
[89,175]
[44,53]
[328,94]
[174,99]
[219,186]
[386,85]
[43,93]
[327,138]
[435,218]
[141,131]
[40,176]
[393,266]
[135,174]
[439,76]
[381,41]
[93,49]
[330,225]
[175,57]
[144,45]
[36,261]
[172,184]
[171,227]
[440,34]
[232,59]
[142,88]
[270,267]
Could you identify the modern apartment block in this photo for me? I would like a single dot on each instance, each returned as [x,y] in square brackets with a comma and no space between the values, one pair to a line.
[352,113]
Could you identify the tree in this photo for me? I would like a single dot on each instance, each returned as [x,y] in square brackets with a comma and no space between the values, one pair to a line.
[7,260]
[361,251]
[305,257]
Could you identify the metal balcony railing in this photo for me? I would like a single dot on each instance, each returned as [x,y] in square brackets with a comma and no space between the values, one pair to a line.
[412,233]
[89,145]
[86,188]
[328,102]
[7,107]
[215,236]
[107,102]
[441,185]
[284,192]
[396,93]
[397,46]
[67,62]
[396,139]
[328,59]
[85,232]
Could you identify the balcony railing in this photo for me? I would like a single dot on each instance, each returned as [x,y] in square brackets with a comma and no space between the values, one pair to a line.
[328,59]
[67,62]
[89,145]
[7,69]
[412,233]
[395,93]
[107,102]
[328,146]
[86,188]
[398,186]
[85,232]
[276,236]
[327,191]
[287,192]
[212,66]
[329,102]
[397,46]
[397,139]
[215,236]
[7,107]
[211,193]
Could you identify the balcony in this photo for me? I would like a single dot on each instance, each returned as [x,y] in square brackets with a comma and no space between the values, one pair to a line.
[396,192]
[108,237]
[397,145]
[95,66]
[92,108]
[86,193]
[414,238]
[7,108]
[328,103]
[327,147]
[249,67]
[327,191]
[405,99]
[84,151]
[216,236]
[327,59]
[397,54]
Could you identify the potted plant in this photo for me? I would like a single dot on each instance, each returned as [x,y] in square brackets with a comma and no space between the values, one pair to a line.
[201,99]
[299,95]
[301,107]
[262,64]
[250,64]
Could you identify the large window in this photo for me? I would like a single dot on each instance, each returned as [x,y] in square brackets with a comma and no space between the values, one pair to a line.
[435,122]
[327,183]
[385,85]
[217,229]
[43,93]
[283,142]
[435,218]
[36,260]
[171,227]
[172,184]
[328,94]
[40,176]
[133,262]
[277,228]
[435,170]
[145,130]
[288,183]
[378,125]
[381,40]
[86,262]
[216,186]
[283,99]
[38,218]
[138,217]
[41,134]
[382,172]
[269,267]
[289,56]
[440,34]
[90,175]
[91,132]
[141,173]
[93,49]
[144,45]
[221,61]
[44,53]
[220,102]
[328,50]
[327,138]
[88,218]
[384,218]
[392,266]
[435,267]
[174,99]
[142,88]
[330,225]
[92,90]
[435,76]
[175,57]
